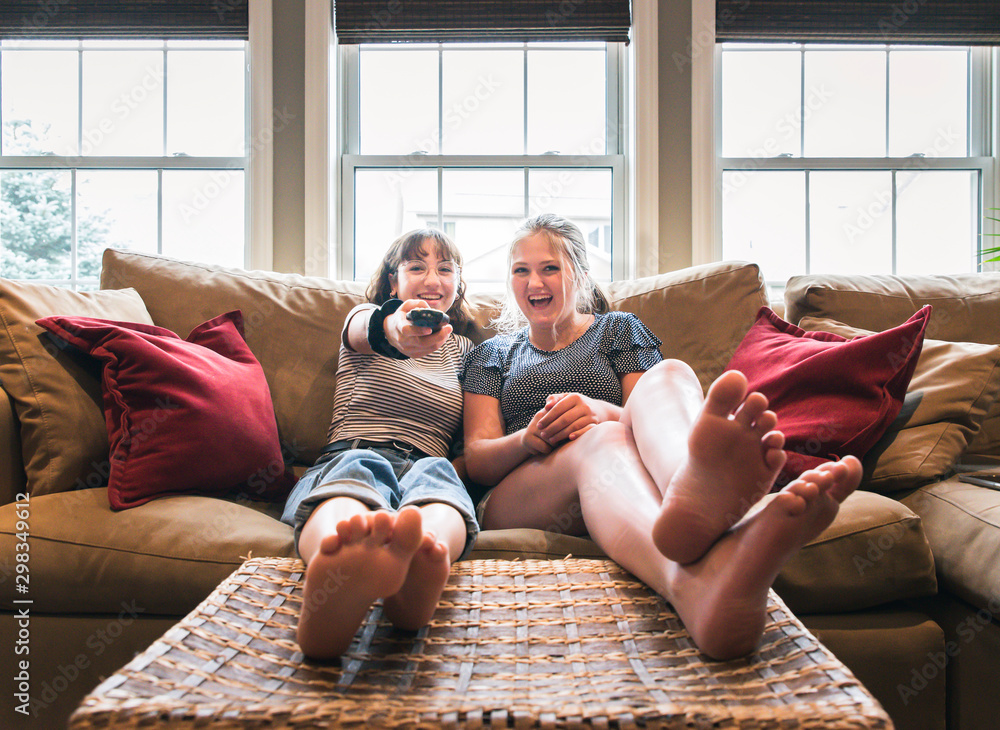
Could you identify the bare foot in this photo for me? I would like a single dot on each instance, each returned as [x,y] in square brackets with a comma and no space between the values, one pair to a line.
[722,598]
[414,604]
[734,456]
[367,558]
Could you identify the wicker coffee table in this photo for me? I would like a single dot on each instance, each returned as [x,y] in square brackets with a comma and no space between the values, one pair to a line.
[563,643]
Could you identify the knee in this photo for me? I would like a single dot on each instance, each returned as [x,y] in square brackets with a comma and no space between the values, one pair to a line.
[607,435]
[670,376]
[673,370]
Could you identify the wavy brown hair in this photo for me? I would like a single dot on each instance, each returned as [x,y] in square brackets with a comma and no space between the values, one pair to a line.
[408,247]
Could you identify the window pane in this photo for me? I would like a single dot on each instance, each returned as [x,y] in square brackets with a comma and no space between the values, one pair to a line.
[485,208]
[928,93]
[399,102]
[936,229]
[850,222]
[584,197]
[203,216]
[844,104]
[39,123]
[483,109]
[122,103]
[205,107]
[389,203]
[764,221]
[761,119]
[122,43]
[36,229]
[115,209]
[567,94]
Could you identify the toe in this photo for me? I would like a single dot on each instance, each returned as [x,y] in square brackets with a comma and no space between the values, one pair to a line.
[766,422]
[773,440]
[330,544]
[726,393]
[352,529]
[381,527]
[775,458]
[752,409]
[408,531]
[852,474]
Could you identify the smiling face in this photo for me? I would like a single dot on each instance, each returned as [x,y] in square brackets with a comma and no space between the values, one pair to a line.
[542,280]
[425,274]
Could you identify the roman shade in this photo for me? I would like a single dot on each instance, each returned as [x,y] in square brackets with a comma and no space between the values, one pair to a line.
[97,19]
[430,21]
[962,22]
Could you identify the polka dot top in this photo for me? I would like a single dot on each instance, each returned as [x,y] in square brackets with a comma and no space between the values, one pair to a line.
[521,376]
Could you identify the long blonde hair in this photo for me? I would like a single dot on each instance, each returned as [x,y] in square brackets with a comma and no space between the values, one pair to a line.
[406,248]
[566,238]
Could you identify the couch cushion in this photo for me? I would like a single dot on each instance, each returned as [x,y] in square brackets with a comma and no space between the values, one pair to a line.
[875,552]
[966,309]
[953,387]
[57,396]
[166,555]
[529,544]
[700,313]
[12,477]
[292,325]
[962,523]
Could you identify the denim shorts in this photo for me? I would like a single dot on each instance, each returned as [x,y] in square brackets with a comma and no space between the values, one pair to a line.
[382,478]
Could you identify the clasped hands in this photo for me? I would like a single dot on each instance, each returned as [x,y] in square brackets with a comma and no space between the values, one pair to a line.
[565,417]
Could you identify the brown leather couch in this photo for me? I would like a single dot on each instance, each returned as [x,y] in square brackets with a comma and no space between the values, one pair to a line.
[902,587]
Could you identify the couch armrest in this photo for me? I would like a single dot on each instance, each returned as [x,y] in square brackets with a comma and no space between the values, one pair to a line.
[12,477]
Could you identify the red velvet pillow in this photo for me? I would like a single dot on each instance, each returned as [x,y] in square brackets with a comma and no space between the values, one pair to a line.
[833,396]
[183,416]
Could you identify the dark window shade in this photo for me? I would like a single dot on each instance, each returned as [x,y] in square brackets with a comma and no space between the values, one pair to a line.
[101,19]
[519,21]
[870,21]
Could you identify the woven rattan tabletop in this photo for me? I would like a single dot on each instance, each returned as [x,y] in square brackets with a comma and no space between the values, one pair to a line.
[562,643]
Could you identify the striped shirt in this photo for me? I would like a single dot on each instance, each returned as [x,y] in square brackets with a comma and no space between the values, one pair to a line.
[416,401]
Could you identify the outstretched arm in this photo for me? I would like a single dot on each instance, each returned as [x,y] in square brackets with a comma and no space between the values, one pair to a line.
[489,454]
[409,339]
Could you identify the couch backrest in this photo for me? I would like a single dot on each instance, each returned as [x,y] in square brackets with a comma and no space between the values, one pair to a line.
[966,306]
[293,322]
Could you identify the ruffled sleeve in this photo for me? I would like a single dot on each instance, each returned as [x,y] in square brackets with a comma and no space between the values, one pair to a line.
[629,344]
[483,369]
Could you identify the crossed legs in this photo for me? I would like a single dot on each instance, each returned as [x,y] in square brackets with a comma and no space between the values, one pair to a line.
[673,493]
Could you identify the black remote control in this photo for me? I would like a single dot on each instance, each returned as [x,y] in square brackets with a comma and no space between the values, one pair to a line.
[425,317]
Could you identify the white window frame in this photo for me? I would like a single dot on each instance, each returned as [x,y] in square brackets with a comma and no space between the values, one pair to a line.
[260,142]
[708,163]
[256,163]
[323,141]
[623,254]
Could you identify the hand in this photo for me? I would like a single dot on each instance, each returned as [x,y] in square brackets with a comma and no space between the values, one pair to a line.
[409,339]
[531,438]
[567,416]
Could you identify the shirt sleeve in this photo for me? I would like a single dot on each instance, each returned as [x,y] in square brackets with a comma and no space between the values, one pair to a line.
[482,372]
[347,320]
[629,344]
